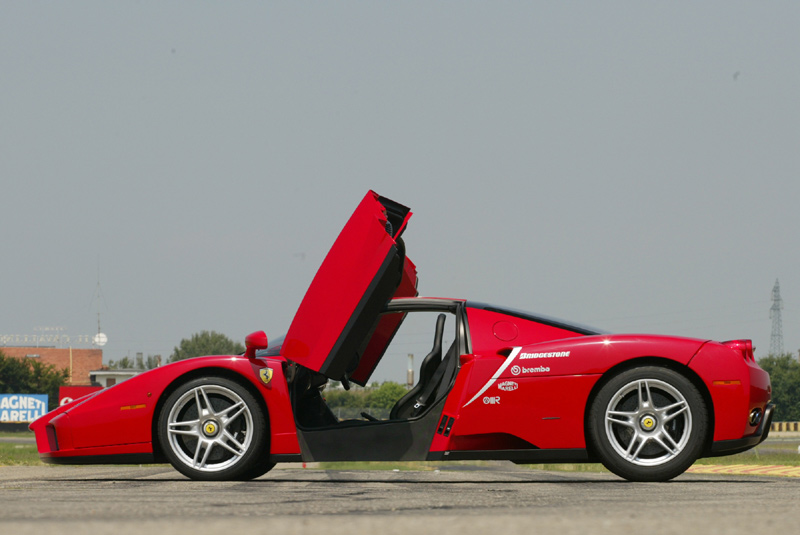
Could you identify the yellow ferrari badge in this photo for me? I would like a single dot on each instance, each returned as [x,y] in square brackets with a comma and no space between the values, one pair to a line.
[265,374]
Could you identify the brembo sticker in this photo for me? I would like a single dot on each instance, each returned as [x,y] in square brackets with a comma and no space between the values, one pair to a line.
[516,370]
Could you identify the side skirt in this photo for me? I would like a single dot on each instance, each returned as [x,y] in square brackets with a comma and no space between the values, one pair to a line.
[123,458]
[533,456]
[285,458]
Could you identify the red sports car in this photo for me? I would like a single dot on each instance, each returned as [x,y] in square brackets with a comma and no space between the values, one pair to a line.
[496,383]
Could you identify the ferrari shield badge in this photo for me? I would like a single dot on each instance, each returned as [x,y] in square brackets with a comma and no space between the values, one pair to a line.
[265,374]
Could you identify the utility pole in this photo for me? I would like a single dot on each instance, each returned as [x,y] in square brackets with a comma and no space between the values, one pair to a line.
[776,340]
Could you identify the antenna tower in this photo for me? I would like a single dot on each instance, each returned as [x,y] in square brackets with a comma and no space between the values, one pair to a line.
[100,339]
[776,340]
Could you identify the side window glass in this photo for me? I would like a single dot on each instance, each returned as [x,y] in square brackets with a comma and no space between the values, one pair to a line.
[405,373]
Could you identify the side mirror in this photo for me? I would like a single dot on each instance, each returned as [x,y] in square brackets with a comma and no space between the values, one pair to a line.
[255,341]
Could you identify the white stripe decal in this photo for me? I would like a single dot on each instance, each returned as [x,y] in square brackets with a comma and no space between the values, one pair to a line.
[498,373]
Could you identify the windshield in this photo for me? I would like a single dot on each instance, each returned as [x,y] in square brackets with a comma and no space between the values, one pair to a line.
[274,347]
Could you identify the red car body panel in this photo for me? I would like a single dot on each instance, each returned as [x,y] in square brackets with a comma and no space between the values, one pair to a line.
[385,330]
[491,331]
[525,412]
[119,420]
[552,391]
[736,386]
[520,386]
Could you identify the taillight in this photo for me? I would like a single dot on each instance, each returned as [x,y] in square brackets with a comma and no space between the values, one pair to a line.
[745,347]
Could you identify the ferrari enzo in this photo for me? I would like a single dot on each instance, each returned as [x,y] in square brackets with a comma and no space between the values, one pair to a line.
[496,383]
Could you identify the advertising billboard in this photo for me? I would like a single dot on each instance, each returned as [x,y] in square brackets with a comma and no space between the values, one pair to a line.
[68,394]
[22,408]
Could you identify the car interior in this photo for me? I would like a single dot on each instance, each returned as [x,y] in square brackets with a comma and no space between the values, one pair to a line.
[417,333]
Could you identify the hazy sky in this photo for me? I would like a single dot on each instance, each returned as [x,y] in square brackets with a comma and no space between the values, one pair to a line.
[630,165]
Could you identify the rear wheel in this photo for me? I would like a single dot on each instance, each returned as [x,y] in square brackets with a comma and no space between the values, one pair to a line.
[212,429]
[256,470]
[648,424]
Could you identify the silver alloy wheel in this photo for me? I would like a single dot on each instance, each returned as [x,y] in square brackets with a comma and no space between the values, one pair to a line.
[648,422]
[210,428]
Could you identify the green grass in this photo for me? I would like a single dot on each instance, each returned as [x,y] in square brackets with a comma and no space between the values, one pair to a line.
[567,467]
[435,465]
[19,455]
[450,465]
[16,434]
[403,466]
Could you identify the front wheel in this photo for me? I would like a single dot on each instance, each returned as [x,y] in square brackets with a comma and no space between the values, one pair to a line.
[648,424]
[213,429]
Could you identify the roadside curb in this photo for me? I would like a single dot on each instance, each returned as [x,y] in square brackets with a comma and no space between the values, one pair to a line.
[745,469]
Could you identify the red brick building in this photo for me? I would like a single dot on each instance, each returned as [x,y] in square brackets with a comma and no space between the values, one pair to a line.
[79,362]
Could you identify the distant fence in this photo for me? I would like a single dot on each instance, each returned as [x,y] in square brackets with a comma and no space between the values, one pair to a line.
[785,426]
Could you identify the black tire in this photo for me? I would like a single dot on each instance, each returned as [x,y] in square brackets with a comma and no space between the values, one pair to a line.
[648,424]
[213,429]
[258,470]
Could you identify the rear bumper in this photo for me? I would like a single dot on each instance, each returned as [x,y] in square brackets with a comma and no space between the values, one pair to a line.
[720,448]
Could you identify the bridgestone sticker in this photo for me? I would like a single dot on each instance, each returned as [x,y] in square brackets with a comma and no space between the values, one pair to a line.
[552,355]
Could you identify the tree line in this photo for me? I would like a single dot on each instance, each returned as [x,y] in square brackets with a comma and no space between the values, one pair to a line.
[30,376]
[381,397]
[198,345]
[784,374]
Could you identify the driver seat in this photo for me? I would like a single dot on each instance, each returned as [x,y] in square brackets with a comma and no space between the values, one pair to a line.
[405,406]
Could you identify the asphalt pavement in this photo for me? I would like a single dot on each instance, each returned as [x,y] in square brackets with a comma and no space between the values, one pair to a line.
[501,498]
